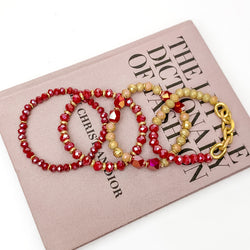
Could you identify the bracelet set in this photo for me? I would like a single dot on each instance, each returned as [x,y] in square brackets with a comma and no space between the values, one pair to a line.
[109,121]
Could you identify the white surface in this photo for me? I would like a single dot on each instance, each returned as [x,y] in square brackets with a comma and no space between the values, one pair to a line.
[38,37]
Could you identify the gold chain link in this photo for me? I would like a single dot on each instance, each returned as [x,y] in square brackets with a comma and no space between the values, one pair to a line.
[223,112]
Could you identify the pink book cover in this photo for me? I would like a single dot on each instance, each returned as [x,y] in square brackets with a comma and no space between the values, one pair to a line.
[71,209]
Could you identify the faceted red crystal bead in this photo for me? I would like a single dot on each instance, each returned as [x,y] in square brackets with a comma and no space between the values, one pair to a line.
[128,101]
[97,166]
[163,153]
[102,138]
[153,135]
[90,101]
[26,112]
[21,131]
[64,117]
[62,127]
[86,93]
[186,160]
[157,149]
[208,158]
[143,129]
[52,168]
[165,95]
[74,166]
[104,120]
[114,116]
[201,158]
[136,149]
[98,92]
[153,142]
[24,144]
[153,164]
[100,110]
[29,154]
[33,102]
[59,168]
[44,96]
[26,150]
[21,137]
[76,98]
[109,166]
[64,137]
[137,161]
[39,99]
[193,158]
[56,91]
[141,139]
[178,107]
[40,162]
[79,164]
[76,154]
[97,145]
[86,160]
[23,117]
[62,91]
[70,90]
[120,165]
[136,109]
[23,125]
[154,128]
[170,157]
[69,145]
[94,150]
[51,92]
[119,101]
[69,107]
[45,166]
[178,159]
[35,160]
[27,107]
[66,167]
[104,115]
[141,118]
[103,132]
[95,105]
[109,93]
[75,91]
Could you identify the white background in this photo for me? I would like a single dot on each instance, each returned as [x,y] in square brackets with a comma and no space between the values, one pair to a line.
[37,37]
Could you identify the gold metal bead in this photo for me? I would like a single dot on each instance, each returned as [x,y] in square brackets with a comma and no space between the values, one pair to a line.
[157,90]
[132,153]
[170,103]
[176,148]
[148,86]
[31,105]
[126,93]
[186,92]
[48,167]
[142,123]
[126,157]
[184,133]
[186,125]
[114,95]
[174,97]
[73,103]
[132,105]
[32,157]
[81,95]
[110,136]
[213,100]
[23,121]
[139,144]
[165,109]
[115,166]
[139,113]
[103,165]
[113,144]
[81,158]
[193,93]
[64,122]
[180,140]
[92,163]
[71,150]
[23,140]
[67,112]
[164,163]
[140,86]
[70,167]
[48,95]
[179,92]
[97,107]
[132,88]
[117,152]
[67,140]
[156,120]
[103,92]
[142,133]
[66,90]
[92,92]
[64,132]
[206,98]
[199,95]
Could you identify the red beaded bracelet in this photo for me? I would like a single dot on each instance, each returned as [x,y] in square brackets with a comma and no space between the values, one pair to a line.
[62,128]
